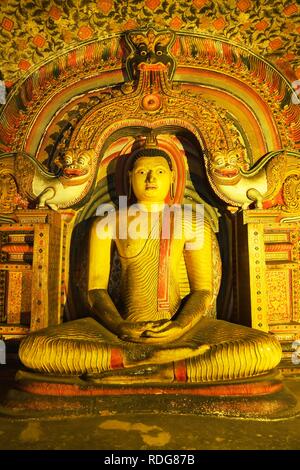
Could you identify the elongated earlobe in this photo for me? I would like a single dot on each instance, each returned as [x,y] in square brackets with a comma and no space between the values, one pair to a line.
[172,190]
[172,186]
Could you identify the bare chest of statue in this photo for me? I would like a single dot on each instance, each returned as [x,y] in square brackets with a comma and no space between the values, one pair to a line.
[141,272]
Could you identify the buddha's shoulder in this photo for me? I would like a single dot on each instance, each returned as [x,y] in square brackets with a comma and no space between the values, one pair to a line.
[195,224]
[104,223]
[193,214]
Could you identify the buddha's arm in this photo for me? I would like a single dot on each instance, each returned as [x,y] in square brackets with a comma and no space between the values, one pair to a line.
[101,304]
[200,273]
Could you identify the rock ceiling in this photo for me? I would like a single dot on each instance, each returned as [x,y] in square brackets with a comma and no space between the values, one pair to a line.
[33,31]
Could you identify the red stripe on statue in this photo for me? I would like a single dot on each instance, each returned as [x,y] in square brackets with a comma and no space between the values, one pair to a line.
[116,359]
[163,278]
[180,371]
[163,275]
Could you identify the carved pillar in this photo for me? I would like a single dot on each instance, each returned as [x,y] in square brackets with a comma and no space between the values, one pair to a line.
[33,271]
[273,241]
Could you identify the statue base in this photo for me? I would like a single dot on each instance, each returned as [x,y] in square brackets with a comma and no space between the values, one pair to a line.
[259,398]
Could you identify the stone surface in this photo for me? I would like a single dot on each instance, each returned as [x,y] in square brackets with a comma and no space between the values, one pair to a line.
[147,431]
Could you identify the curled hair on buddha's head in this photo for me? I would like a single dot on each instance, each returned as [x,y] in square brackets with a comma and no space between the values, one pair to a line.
[151,152]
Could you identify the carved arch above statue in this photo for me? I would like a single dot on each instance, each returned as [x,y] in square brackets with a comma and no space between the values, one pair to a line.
[252,89]
[236,104]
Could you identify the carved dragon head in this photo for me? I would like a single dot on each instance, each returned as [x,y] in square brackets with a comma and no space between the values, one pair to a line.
[76,166]
[225,166]
[149,48]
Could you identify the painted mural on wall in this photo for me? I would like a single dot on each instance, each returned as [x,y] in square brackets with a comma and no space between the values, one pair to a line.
[31,31]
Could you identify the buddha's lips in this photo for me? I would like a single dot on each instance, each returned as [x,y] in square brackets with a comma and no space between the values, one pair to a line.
[151,187]
[74,172]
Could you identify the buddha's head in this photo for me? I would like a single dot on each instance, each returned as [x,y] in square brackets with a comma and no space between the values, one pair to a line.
[151,176]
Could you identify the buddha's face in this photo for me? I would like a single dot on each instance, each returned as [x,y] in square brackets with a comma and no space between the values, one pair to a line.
[151,178]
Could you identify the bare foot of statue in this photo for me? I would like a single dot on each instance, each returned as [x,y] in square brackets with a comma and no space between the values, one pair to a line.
[164,354]
[149,363]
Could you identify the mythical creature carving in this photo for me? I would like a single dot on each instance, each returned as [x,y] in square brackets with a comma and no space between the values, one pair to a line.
[149,47]
[55,190]
[225,166]
[238,185]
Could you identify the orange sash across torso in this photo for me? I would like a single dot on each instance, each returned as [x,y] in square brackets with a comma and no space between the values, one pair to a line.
[163,290]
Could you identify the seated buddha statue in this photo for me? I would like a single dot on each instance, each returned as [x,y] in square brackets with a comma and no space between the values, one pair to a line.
[152,334]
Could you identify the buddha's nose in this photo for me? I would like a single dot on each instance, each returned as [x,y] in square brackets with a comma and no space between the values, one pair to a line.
[150,176]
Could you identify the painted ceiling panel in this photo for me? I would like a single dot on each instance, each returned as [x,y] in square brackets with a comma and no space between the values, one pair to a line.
[33,31]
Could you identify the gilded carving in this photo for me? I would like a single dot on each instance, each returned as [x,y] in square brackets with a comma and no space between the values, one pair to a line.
[262,184]
[225,167]
[276,169]
[282,174]
[278,287]
[152,103]
[291,193]
[218,56]
[63,189]
[14,297]
[150,47]
[24,173]
[8,193]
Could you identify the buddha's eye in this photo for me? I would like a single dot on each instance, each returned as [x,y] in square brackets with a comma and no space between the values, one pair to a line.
[160,172]
[141,172]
